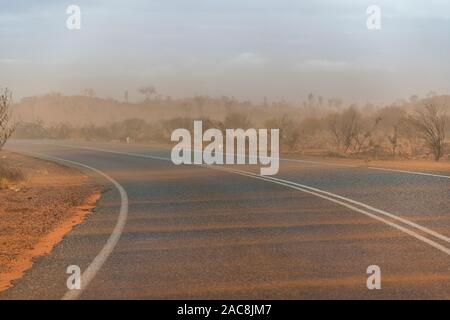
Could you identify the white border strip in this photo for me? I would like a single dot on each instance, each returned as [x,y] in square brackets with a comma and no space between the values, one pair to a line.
[371,215]
[411,172]
[95,266]
[387,214]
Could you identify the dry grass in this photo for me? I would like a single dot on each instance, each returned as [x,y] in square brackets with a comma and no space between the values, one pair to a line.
[9,174]
[45,203]
[4,183]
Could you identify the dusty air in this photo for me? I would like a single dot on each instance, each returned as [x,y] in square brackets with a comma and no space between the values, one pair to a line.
[192,152]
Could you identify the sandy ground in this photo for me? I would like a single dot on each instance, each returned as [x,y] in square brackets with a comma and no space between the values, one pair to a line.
[414,165]
[442,166]
[424,165]
[37,212]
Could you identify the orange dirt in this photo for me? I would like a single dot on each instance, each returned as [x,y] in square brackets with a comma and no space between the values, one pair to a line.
[417,165]
[425,165]
[36,213]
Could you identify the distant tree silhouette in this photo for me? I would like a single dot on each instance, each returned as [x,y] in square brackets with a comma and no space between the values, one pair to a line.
[6,128]
[393,140]
[89,92]
[200,102]
[431,123]
[147,92]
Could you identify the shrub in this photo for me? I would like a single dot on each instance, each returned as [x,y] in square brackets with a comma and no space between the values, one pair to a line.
[6,128]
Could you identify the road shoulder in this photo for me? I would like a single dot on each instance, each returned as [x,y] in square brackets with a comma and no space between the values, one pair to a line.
[38,211]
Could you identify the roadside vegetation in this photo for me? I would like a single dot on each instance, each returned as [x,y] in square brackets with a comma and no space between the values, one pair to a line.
[7,174]
[6,126]
[413,129]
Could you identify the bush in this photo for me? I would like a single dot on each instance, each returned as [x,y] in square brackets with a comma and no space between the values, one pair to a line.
[4,183]
[31,130]
[12,174]
[6,128]
[336,154]
[8,175]
[431,123]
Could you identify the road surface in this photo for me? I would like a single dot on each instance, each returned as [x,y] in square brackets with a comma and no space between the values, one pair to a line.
[182,232]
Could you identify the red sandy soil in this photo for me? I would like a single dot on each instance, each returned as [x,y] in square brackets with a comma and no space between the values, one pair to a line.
[38,211]
[414,165]
[442,166]
[421,164]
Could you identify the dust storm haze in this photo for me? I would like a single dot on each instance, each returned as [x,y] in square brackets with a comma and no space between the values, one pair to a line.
[325,175]
[138,69]
[247,49]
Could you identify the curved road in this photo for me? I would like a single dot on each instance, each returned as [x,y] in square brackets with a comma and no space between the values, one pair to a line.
[196,232]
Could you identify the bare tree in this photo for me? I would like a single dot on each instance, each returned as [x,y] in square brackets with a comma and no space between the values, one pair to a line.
[290,133]
[363,138]
[348,130]
[89,92]
[411,135]
[431,122]
[393,140]
[349,127]
[334,128]
[311,103]
[237,120]
[414,98]
[147,92]
[6,128]
[320,101]
[200,102]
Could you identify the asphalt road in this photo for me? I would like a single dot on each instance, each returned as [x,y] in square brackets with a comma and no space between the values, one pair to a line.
[197,232]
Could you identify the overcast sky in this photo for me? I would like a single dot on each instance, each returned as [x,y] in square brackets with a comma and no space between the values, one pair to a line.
[246,48]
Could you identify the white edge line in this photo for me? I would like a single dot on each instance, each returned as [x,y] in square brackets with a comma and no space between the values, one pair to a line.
[373,216]
[95,266]
[320,162]
[315,192]
[390,215]
[333,164]
[411,172]
[366,167]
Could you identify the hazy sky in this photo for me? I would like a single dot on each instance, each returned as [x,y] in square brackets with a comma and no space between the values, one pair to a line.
[246,48]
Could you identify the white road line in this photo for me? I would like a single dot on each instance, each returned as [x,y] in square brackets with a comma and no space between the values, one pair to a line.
[387,214]
[332,164]
[351,207]
[322,194]
[412,172]
[95,266]
[368,167]
[111,151]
